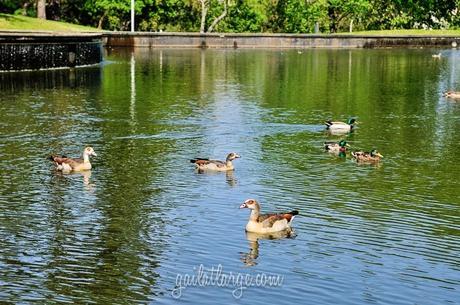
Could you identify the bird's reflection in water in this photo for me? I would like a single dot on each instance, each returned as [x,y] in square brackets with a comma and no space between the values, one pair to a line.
[250,258]
[86,175]
[87,181]
[230,177]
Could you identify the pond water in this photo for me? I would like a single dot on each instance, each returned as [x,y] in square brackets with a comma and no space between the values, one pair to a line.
[135,227]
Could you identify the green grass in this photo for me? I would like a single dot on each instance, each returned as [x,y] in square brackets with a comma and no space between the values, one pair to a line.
[22,23]
[408,32]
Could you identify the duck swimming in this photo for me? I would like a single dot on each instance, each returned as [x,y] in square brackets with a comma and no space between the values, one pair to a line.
[341,126]
[65,164]
[267,223]
[337,148]
[361,156]
[215,165]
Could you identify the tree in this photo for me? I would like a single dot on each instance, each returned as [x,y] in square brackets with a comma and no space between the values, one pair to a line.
[41,9]
[339,10]
[114,13]
[206,5]
[204,12]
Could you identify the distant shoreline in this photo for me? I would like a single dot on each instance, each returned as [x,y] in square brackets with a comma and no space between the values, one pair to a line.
[238,40]
[283,41]
[33,50]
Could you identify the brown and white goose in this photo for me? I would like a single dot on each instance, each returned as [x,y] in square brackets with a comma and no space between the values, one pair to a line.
[215,165]
[69,164]
[268,223]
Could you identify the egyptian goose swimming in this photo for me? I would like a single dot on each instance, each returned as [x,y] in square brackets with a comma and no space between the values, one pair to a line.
[268,223]
[337,148]
[215,165]
[362,156]
[69,164]
[452,94]
[340,126]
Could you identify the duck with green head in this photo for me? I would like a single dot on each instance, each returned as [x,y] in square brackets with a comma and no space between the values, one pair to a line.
[362,156]
[341,126]
[337,148]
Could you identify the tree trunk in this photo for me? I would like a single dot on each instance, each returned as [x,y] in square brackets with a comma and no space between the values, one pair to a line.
[218,19]
[101,20]
[204,11]
[25,6]
[41,9]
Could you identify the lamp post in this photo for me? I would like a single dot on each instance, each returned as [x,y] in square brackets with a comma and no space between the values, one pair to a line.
[132,15]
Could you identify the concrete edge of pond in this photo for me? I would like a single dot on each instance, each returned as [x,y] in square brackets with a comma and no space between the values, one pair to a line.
[263,40]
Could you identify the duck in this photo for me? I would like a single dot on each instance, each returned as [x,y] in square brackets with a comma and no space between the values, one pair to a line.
[215,165]
[362,156]
[267,223]
[452,94]
[338,148]
[341,126]
[65,164]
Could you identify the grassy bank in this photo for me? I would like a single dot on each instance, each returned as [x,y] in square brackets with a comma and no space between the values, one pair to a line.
[22,23]
[408,33]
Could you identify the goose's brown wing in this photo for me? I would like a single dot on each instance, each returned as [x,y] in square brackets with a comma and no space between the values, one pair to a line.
[268,220]
[202,162]
[63,160]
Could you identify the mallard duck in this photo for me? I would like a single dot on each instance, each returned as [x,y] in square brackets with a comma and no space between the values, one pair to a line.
[268,223]
[341,126]
[215,165]
[69,164]
[452,94]
[338,148]
[361,156]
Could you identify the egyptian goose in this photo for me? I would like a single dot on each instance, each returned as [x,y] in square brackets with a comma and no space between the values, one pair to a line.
[69,164]
[215,165]
[268,223]
[361,156]
[338,148]
[340,126]
[452,94]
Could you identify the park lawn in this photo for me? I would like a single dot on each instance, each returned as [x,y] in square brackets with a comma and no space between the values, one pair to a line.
[417,32]
[23,23]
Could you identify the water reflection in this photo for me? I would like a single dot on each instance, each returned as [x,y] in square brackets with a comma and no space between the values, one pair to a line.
[85,175]
[16,82]
[250,258]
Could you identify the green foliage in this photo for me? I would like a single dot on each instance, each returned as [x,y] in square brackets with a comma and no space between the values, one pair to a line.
[281,16]
[243,17]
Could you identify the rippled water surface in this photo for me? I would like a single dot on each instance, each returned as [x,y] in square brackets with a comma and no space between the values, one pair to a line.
[131,229]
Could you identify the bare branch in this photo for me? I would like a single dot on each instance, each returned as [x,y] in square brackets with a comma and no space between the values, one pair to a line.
[218,19]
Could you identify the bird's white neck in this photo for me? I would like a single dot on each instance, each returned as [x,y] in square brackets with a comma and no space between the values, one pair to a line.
[85,157]
[254,214]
